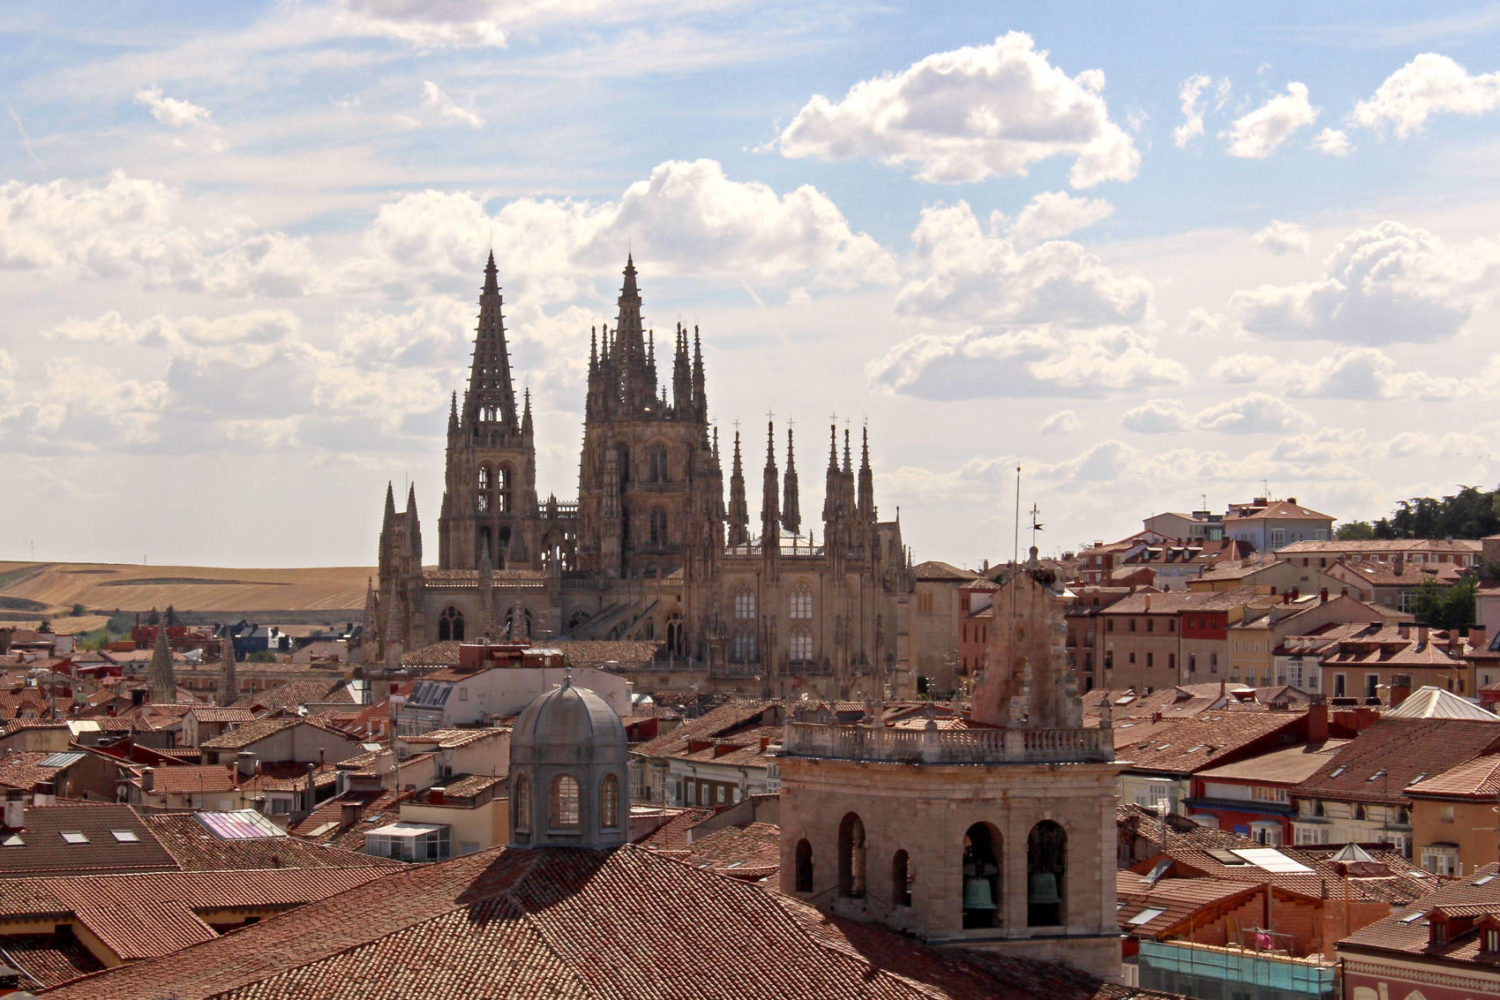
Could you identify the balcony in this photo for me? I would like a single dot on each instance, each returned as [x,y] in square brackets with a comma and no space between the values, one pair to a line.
[948,746]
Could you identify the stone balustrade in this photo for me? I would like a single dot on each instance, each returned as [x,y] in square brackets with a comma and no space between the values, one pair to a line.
[947,746]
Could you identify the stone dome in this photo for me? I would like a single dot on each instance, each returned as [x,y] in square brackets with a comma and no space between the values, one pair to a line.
[568,725]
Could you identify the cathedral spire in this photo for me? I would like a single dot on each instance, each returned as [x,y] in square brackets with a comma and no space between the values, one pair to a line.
[770,509]
[453,414]
[162,683]
[413,525]
[791,515]
[526,428]
[700,397]
[833,448]
[390,506]
[491,399]
[637,377]
[229,684]
[866,480]
[739,515]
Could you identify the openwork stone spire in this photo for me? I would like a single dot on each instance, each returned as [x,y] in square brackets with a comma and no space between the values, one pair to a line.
[491,397]
[161,682]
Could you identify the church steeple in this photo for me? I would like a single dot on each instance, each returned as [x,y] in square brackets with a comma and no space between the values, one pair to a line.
[162,683]
[491,399]
[866,481]
[229,684]
[739,515]
[770,508]
[700,395]
[791,514]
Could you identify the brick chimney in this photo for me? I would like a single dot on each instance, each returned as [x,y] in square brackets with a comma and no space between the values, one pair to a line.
[1400,689]
[1478,636]
[1317,721]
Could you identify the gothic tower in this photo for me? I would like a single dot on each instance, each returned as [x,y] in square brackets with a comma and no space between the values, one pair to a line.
[489,504]
[642,452]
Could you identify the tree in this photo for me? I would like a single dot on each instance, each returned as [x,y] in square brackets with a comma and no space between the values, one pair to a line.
[1445,607]
[46,625]
[79,611]
[1355,531]
[261,656]
[172,616]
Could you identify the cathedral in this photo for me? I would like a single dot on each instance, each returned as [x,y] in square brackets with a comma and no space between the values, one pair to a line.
[649,550]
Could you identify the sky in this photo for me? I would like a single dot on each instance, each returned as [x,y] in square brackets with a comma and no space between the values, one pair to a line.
[1155,256]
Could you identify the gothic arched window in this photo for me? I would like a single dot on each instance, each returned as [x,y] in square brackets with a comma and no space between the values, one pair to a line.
[800,604]
[852,856]
[451,625]
[520,793]
[744,604]
[485,498]
[800,646]
[564,810]
[658,527]
[502,490]
[742,648]
[609,802]
[658,464]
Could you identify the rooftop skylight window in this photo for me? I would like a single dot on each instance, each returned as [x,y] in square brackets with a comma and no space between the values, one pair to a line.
[1337,771]
[126,836]
[75,837]
[1378,774]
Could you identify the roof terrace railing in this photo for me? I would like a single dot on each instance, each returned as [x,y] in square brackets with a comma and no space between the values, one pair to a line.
[947,746]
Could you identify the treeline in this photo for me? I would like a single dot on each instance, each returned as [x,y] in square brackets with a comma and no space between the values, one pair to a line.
[1469,513]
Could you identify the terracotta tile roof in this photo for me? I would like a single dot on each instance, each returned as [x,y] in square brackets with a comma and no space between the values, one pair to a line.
[295,693]
[215,713]
[324,824]
[1275,511]
[1473,894]
[1154,602]
[196,848]
[1470,546]
[253,732]
[43,851]
[1389,756]
[146,915]
[450,739]
[1176,899]
[466,786]
[1289,766]
[750,852]
[1187,745]
[435,931]
[1475,779]
[1204,853]
[598,653]
[23,768]
[192,779]
[47,959]
[438,654]
[673,834]
[716,722]
[934,569]
[1380,573]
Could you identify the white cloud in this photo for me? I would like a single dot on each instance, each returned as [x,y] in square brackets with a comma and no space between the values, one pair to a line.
[170,110]
[1282,237]
[1044,361]
[1347,373]
[1430,84]
[130,227]
[1053,214]
[1254,413]
[463,23]
[1257,134]
[686,218]
[962,274]
[1192,110]
[1061,422]
[1333,142]
[970,114]
[1380,285]
[434,98]
[1156,416]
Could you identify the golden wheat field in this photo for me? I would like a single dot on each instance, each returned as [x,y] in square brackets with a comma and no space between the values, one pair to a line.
[52,589]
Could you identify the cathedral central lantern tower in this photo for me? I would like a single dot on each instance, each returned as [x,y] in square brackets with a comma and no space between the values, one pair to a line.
[647,461]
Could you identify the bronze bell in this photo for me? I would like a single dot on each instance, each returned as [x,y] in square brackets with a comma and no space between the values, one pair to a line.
[978,894]
[1041,889]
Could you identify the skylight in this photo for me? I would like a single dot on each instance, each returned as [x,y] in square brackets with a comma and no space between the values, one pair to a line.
[1146,916]
[1378,774]
[14,840]
[1484,879]
[1337,771]
[75,837]
[126,836]
[1419,777]
[1412,918]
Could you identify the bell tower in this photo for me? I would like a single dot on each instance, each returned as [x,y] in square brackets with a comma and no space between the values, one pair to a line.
[999,835]
[490,506]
